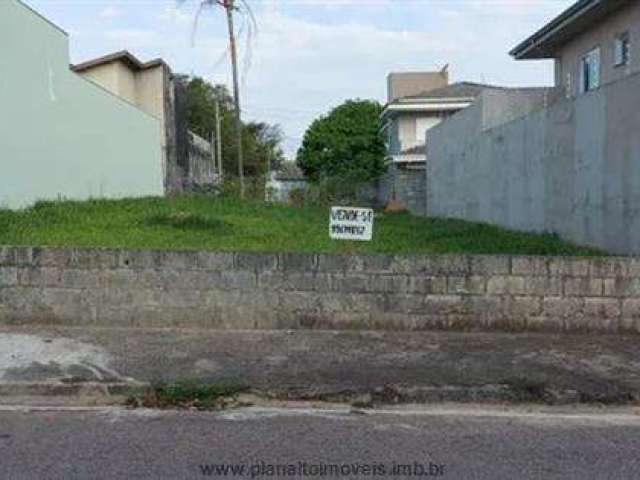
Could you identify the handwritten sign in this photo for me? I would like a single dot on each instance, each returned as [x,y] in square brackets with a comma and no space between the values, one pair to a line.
[347,223]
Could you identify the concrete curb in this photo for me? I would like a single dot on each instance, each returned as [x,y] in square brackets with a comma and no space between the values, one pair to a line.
[61,389]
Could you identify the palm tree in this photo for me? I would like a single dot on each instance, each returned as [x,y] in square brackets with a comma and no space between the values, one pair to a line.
[230,7]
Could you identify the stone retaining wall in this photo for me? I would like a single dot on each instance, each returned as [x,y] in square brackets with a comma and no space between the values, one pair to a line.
[123,288]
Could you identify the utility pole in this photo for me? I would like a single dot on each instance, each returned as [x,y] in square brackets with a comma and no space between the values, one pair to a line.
[229,6]
[218,140]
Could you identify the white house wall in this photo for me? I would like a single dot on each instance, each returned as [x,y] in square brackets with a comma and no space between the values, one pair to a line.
[61,135]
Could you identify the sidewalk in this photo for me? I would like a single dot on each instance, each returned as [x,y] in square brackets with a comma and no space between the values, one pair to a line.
[370,367]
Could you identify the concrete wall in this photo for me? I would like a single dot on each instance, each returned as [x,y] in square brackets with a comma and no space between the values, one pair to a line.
[569,56]
[569,169]
[61,135]
[110,288]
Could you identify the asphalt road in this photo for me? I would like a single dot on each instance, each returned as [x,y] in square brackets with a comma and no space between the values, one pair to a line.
[273,443]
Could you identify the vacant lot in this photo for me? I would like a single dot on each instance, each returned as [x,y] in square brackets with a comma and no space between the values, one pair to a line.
[227,224]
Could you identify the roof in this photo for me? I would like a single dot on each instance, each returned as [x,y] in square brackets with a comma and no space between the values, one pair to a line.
[570,23]
[123,56]
[455,90]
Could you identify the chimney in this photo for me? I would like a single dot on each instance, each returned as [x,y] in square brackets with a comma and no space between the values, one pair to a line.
[406,84]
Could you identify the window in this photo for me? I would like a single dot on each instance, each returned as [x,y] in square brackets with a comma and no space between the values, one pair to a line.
[622,49]
[590,71]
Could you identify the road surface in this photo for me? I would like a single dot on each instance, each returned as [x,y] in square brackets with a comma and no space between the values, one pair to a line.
[475,443]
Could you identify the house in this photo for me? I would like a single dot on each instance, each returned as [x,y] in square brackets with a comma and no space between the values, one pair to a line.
[416,103]
[564,160]
[594,43]
[62,136]
[152,87]
[282,182]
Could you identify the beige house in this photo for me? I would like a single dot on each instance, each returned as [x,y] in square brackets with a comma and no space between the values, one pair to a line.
[417,102]
[151,87]
[594,43]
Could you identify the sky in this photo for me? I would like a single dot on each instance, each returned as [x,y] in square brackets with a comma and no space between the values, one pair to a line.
[308,56]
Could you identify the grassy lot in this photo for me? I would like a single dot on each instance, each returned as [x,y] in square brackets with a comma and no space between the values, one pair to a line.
[227,224]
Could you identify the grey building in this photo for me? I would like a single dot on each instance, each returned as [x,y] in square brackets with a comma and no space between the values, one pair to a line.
[592,44]
[417,102]
[562,161]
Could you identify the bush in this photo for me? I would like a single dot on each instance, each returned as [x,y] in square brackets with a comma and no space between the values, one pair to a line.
[255,188]
[338,191]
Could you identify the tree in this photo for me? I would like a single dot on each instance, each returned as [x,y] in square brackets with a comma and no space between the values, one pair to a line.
[261,141]
[345,144]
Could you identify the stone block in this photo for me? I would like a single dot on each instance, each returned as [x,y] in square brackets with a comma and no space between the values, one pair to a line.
[52,257]
[7,256]
[506,285]
[403,303]
[560,307]
[350,283]
[309,302]
[94,258]
[622,287]
[136,259]
[427,285]
[256,262]
[306,262]
[381,263]
[444,305]
[487,265]
[529,266]
[340,263]
[218,261]
[487,308]
[239,280]
[441,265]
[631,308]
[397,283]
[474,285]
[604,308]
[609,267]
[176,260]
[583,287]
[629,325]
[543,286]
[8,276]
[297,281]
[633,267]
[516,306]
[574,267]
[23,256]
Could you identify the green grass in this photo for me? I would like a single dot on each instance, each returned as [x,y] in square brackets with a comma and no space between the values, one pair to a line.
[190,394]
[203,223]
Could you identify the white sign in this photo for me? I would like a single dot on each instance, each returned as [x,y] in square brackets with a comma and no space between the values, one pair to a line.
[347,223]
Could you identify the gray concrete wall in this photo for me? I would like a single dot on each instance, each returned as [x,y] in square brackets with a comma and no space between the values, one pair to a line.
[120,288]
[569,169]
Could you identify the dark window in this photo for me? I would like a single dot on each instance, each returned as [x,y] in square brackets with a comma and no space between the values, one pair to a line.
[622,50]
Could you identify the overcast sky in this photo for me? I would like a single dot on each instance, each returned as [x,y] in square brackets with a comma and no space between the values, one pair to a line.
[309,55]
